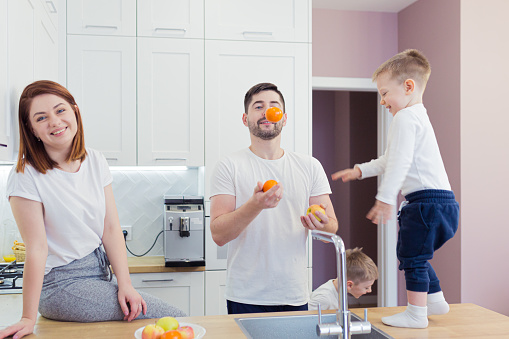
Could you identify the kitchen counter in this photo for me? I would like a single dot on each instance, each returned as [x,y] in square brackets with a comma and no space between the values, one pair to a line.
[463,321]
[155,264]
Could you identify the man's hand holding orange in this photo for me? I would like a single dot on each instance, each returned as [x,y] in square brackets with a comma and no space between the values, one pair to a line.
[267,198]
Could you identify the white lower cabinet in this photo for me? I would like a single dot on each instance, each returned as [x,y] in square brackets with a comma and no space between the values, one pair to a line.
[215,285]
[184,290]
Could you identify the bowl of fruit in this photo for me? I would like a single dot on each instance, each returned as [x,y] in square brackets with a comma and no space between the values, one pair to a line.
[170,328]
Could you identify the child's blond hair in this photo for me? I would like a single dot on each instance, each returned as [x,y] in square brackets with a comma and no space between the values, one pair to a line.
[409,64]
[360,267]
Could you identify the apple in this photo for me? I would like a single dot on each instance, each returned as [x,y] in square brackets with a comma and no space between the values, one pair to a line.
[186,331]
[168,323]
[152,332]
[313,208]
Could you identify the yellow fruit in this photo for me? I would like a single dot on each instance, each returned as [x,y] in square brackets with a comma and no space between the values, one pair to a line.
[168,323]
[313,208]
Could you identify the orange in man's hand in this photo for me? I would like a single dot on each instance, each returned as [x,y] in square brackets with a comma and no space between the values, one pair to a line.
[313,209]
[268,185]
[273,114]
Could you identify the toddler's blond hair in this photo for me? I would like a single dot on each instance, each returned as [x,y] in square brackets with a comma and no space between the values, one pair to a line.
[359,266]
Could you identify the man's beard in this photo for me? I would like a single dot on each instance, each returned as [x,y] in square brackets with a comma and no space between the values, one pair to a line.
[264,134]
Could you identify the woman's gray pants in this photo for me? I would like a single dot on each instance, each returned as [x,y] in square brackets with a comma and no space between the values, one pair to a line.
[83,291]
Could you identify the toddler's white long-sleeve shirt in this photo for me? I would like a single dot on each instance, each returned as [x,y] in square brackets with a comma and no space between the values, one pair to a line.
[412,160]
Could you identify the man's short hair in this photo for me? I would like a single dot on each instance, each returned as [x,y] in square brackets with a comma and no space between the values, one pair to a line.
[264,86]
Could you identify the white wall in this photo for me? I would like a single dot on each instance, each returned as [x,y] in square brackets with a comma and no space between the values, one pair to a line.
[485,153]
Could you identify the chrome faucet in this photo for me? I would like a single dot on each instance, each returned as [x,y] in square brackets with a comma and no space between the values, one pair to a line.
[343,327]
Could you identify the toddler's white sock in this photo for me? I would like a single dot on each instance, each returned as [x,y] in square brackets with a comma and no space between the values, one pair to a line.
[437,304]
[412,317]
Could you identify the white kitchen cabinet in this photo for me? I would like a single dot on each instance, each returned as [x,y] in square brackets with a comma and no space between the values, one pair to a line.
[170,102]
[215,285]
[29,53]
[231,68]
[101,75]
[262,20]
[215,256]
[170,18]
[184,290]
[99,17]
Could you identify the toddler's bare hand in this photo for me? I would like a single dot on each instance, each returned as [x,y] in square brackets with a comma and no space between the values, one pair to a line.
[380,212]
[347,174]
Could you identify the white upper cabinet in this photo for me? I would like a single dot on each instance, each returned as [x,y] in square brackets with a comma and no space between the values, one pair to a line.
[101,75]
[170,102]
[99,17]
[261,20]
[170,18]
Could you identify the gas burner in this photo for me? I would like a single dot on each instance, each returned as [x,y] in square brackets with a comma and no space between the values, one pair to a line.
[10,270]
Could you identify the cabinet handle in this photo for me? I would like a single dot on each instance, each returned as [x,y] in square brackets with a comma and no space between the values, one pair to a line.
[265,34]
[114,159]
[3,145]
[155,280]
[170,159]
[52,9]
[101,26]
[176,30]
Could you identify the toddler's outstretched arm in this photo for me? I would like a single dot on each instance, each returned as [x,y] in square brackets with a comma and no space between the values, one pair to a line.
[347,174]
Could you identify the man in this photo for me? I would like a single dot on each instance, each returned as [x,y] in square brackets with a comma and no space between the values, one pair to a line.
[266,231]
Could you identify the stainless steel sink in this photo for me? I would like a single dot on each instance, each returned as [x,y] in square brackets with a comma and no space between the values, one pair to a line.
[295,327]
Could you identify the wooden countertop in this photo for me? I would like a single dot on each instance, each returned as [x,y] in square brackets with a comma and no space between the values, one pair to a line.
[463,321]
[156,265]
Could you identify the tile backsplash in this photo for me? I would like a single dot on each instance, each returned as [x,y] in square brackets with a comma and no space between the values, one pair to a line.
[139,193]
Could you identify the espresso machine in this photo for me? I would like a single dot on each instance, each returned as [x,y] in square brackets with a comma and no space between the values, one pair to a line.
[184,231]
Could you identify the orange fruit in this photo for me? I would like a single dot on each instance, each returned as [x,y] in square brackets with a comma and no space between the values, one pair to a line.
[173,334]
[268,185]
[273,114]
[313,209]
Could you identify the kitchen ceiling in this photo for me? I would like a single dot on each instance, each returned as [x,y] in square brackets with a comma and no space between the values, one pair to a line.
[393,6]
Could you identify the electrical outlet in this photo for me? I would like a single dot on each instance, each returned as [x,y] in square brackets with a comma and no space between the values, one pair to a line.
[129,230]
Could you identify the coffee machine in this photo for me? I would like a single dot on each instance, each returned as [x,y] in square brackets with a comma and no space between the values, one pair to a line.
[184,231]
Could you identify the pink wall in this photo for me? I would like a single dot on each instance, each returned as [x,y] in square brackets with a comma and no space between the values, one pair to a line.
[433,26]
[352,44]
[484,153]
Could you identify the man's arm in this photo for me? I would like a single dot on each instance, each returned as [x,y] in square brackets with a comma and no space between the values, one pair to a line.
[329,222]
[226,222]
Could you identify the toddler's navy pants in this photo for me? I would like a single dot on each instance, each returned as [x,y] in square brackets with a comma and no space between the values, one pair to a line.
[428,220]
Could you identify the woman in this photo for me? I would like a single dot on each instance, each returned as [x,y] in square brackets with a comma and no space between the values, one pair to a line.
[62,200]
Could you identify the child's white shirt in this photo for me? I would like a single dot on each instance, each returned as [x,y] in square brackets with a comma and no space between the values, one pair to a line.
[412,160]
[326,295]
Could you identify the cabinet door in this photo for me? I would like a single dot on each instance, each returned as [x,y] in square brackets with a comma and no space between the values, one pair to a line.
[46,50]
[101,74]
[184,290]
[170,102]
[99,17]
[234,67]
[5,120]
[170,18]
[262,20]
[215,285]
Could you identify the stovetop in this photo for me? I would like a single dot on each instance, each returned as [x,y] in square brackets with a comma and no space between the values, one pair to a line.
[11,277]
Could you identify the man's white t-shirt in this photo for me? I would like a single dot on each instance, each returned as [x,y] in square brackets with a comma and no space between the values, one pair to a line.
[74,206]
[267,263]
[412,160]
[326,295]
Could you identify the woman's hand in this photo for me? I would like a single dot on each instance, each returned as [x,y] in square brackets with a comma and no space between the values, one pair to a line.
[22,328]
[136,303]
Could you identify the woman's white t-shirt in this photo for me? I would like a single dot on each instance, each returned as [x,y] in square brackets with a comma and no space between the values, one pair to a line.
[74,206]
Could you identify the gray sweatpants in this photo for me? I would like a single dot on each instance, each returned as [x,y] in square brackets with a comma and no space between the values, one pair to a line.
[83,291]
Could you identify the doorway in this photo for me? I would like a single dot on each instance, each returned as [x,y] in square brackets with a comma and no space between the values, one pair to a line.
[350,127]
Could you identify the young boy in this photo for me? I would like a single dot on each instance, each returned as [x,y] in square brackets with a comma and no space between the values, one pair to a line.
[361,273]
[412,162]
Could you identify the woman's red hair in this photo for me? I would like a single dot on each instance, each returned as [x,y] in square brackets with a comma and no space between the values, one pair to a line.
[31,150]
